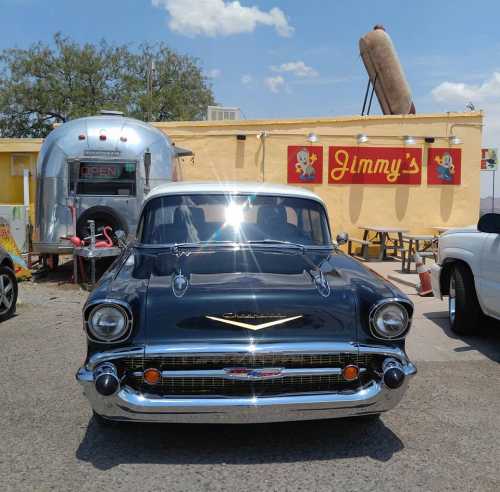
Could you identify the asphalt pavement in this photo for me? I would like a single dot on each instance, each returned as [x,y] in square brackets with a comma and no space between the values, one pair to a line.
[445,435]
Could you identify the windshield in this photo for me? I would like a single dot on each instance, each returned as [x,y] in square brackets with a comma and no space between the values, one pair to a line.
[233,218]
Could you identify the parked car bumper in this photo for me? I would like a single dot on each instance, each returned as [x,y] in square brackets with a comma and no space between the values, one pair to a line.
[128,404]
[436,280]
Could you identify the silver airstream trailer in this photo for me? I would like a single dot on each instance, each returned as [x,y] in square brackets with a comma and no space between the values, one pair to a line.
[97,168]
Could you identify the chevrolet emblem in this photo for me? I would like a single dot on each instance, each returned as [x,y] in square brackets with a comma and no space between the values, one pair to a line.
[250,326]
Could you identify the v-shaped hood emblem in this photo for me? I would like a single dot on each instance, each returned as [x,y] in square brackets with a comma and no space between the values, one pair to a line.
[249,326]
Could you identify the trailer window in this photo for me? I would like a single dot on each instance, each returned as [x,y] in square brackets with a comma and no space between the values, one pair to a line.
[104,178]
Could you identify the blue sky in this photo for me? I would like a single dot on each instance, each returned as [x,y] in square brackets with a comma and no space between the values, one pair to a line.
[279,59]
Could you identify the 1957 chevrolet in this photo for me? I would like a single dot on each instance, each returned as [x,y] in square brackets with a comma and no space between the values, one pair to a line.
[234,305]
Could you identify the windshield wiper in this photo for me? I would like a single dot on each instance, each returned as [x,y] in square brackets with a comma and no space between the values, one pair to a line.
[277,242]
[263,242]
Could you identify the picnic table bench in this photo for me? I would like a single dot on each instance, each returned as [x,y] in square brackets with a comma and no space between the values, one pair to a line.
[382,237]
[364,246]
[414,246]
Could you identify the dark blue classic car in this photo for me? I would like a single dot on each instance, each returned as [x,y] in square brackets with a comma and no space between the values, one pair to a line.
[234,305]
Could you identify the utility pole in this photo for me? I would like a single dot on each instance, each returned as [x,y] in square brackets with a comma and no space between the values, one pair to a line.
[150,77]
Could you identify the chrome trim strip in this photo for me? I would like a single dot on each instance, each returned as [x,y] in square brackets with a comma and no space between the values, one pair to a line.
[151,351]
[109,355]
[209,349]
[222,373]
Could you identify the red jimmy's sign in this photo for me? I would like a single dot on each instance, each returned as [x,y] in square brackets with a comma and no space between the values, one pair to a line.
[444,166]
[375,165]
[305,164]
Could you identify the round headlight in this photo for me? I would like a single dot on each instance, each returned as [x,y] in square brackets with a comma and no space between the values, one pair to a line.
[108,323]
[389,321]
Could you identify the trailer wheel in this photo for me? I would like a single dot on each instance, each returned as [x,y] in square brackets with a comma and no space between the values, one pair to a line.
[50,261]
[103,216]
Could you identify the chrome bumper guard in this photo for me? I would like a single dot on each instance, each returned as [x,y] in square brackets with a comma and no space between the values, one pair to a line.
[130,405]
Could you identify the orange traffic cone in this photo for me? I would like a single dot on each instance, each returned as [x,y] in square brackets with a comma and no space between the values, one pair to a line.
[425,287]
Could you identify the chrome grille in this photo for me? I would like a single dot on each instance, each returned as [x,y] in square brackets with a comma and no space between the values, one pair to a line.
[220,386]
[227,387]
[249,360]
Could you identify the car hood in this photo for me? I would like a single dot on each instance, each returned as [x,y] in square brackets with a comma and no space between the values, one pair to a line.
[250,295]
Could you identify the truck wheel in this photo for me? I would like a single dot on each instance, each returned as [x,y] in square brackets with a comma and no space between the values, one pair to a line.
[8,293]
[463,307]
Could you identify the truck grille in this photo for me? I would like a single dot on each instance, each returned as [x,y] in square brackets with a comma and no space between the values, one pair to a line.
[219,386]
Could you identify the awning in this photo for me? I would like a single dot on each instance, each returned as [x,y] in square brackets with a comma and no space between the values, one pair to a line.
[180,152]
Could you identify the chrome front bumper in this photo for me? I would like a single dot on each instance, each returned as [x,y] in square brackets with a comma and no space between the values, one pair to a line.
[130,405]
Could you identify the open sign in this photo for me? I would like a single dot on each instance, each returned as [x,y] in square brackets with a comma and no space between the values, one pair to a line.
[100,171]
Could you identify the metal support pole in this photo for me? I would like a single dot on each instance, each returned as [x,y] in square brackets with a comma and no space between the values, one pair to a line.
[366,97]
[371,95]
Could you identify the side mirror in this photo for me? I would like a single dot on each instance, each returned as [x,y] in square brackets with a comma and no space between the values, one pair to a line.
[342,238]
[489,223]
[121,238]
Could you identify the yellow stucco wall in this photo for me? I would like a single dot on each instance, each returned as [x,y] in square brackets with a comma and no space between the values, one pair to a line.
[11,187]
[220,156]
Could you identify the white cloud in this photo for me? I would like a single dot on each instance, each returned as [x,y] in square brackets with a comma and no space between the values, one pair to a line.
[275,84]
[220,17]
[459,92]
[246,79]
[214,73]
[297,68]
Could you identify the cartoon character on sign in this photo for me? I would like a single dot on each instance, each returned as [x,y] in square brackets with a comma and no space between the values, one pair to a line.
[445,167]
[305,165]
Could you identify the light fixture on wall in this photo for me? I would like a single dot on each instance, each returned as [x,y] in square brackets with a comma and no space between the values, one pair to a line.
[454,140]
[312,138]
[362,138]
[409,140]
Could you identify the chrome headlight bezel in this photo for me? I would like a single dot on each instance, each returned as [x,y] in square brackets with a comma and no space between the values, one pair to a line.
[406,308]
[122,308]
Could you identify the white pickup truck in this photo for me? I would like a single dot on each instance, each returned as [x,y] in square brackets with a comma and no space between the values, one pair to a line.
[468,272]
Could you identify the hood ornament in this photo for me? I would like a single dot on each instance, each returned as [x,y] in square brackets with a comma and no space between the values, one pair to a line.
[322,285]
[250,326]
[180,284]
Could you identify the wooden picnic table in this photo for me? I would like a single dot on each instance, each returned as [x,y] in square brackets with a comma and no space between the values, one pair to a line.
[414,241]
[441,229]
[383,235]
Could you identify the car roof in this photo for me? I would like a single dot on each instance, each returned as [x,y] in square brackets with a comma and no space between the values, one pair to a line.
[231,188]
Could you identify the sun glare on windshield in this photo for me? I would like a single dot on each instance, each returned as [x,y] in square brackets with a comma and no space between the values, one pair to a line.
[234,215]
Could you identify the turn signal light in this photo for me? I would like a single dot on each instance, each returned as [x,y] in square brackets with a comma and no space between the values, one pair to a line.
[152,376]
[350,373]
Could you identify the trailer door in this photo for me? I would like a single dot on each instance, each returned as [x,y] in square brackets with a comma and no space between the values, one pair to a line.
[100,184]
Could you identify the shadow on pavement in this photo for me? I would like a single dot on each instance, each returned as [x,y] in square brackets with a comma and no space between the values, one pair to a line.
[63,274]
[287,442]
[487,340]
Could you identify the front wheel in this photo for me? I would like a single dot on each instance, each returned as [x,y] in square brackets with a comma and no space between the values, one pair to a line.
[8,293]
[463,307]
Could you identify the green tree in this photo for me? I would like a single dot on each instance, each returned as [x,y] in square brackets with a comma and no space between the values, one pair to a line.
[43,85]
